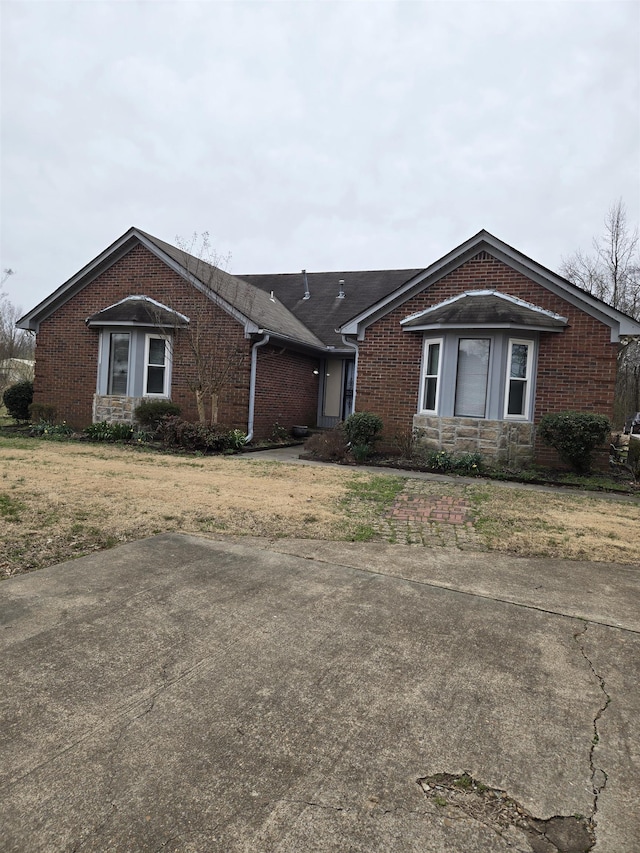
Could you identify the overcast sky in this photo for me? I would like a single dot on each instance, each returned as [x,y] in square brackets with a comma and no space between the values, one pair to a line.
[323,135]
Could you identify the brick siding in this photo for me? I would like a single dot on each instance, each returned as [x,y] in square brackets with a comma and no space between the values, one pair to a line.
[286,390]
[576,367]
[67,354]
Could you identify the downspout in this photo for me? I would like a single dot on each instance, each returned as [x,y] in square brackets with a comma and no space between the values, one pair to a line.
[252,385]
[355,368]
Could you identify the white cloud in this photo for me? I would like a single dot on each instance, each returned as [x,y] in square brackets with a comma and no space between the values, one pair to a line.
[317,134]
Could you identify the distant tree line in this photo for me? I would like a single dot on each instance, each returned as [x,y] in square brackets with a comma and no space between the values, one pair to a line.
[14,343]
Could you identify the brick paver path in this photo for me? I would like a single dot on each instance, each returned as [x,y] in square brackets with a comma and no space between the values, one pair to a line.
[419,518]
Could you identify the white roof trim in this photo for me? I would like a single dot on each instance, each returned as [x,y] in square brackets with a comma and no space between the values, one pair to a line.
[507,298]
[618,322]
[144,299]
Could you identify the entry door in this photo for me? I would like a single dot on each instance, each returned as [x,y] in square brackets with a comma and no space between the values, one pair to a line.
[347,385]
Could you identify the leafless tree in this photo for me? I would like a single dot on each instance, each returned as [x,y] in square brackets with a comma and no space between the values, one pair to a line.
[611,272]
[15,344]
[214,356]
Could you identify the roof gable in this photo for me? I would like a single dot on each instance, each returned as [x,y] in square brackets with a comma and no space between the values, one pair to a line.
[483,241]
[256,310]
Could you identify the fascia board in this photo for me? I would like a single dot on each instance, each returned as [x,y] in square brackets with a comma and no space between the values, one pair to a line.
[32,319]
[434,272]
[184,273]
[618,322]
[300,346]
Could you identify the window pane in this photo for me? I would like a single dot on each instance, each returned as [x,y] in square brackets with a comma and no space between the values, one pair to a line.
[432,359]
[155,380]
[473,371]
[156,351]
[515,405]
[519,353]
[118,363]
[430,385]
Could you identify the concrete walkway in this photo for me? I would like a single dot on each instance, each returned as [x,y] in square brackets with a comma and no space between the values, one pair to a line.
[185,694]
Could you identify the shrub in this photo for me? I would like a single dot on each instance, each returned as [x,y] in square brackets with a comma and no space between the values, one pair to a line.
[470,464]
[407,442]
[176,432]
[42,412]
[149,413]
[361,452]
[47,429]
[17,398]
[329,445]
[574,435]
[103,431]
[279,433]
[363,428]
[439,460]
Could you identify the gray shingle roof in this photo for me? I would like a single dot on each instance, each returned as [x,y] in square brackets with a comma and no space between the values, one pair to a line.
[323,312]
[252,302]
[485,308]
[138,310]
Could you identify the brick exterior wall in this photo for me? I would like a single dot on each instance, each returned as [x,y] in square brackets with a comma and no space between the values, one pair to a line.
[576,367]
[67,355]
[67,351]
[286,390]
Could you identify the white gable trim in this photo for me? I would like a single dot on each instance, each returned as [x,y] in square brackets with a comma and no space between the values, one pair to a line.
[618,322]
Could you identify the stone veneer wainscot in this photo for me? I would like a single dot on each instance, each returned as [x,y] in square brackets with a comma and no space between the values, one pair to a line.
[506,442]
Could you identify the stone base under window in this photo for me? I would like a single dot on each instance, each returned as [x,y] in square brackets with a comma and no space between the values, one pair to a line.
[505,442]
[114,408]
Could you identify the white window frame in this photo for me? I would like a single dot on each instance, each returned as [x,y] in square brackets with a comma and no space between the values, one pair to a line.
[459,374]
[110,353]
[437,376]
[525,416]
[167,365]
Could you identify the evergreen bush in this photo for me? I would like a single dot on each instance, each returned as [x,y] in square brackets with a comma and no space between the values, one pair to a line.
[149,413]
[363,428]
[17,399]
[575,436]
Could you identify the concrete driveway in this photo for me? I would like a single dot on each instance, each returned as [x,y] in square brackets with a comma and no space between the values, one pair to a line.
[183,694]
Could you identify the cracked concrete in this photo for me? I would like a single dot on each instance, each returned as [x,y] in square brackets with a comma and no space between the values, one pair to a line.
[598,774]
[183,694]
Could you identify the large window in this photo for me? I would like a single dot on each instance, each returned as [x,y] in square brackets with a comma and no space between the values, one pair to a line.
[518,379]
[156,363]
[431,375]
[118,363]
[134,363]
[472,376]
[490,377]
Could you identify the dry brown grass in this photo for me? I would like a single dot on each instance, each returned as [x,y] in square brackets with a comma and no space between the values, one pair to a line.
[560,524]
[59,500]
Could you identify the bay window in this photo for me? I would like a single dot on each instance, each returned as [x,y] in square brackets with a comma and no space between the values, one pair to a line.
[489,376]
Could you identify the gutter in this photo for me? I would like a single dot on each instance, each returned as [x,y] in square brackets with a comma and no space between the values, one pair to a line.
[354,347]
[252,385]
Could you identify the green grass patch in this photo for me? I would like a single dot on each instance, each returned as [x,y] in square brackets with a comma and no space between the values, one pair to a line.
[380,490]
[10,508]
